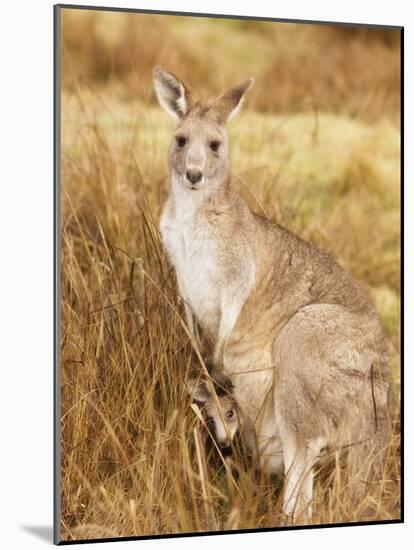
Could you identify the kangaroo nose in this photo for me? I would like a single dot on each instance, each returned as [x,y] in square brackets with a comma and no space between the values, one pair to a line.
[194,175]
[225,449]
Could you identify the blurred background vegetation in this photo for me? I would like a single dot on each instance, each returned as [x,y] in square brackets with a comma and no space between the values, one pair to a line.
[342,69]
[317,147]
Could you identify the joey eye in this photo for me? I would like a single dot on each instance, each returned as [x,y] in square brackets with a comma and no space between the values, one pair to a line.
[181,141]
[229,414]
[214,146]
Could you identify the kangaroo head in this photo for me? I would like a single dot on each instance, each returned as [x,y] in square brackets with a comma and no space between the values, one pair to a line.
[222,412]
[198,154]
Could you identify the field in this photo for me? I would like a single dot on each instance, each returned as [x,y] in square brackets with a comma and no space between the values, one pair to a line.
[317,148]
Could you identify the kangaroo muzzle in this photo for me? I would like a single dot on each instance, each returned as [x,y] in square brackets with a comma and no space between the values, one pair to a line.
[194,175]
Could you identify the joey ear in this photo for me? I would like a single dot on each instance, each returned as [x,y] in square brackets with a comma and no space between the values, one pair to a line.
[171,93]
[198,389]
[229,103]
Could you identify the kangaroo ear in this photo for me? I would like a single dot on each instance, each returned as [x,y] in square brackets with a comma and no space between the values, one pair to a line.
[198,390]
[172,95]
[229,104]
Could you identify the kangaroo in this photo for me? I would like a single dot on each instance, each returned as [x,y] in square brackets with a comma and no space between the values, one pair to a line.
[220,408]
[295,332]
[225,414]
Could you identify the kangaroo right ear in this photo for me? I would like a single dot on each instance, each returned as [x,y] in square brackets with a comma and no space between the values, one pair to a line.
[172,95]
[229,104]
[198,390]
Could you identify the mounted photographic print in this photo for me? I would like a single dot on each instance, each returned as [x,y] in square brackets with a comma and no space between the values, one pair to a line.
[228,276]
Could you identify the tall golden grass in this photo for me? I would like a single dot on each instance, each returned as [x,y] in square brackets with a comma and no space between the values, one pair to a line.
[318,154]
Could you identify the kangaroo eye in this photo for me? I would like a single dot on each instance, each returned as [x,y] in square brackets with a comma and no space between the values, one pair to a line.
[230,413]
[181,141]
[214,146]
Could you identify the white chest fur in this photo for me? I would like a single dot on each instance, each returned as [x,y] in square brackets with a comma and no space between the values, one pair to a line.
[214,289]
[193,253]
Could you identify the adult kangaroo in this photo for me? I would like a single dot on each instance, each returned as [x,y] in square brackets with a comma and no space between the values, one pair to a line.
[296,333]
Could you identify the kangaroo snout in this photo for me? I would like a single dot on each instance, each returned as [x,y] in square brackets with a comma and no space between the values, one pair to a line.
[225,449]
[194,175]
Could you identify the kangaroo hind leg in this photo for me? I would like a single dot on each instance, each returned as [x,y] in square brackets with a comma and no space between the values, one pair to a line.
[299,459]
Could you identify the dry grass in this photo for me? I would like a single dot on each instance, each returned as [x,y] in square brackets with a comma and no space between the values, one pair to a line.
[134,460]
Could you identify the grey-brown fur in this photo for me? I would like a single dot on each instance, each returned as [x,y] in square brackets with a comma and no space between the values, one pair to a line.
[296,333]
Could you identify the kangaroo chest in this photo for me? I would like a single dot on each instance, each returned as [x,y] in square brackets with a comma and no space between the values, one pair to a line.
[194,255]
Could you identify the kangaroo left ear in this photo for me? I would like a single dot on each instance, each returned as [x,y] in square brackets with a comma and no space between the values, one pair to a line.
[198,390]
[229,104]
[172,94]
